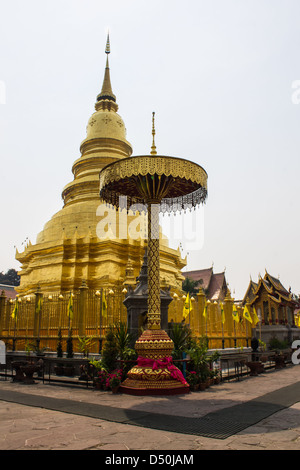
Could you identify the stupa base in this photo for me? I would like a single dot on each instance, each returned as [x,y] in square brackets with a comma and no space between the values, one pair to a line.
[132,390]
[157,380]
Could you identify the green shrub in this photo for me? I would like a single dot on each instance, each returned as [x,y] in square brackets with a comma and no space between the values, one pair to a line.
[110,352]
[276,343]
[59,349]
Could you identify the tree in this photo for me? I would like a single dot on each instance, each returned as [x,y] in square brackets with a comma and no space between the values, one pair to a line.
[70,353]
[10,278]
[110,351]
[189,285]
[59,344]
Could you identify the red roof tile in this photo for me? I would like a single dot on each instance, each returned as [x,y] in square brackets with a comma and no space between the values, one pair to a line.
[9,291]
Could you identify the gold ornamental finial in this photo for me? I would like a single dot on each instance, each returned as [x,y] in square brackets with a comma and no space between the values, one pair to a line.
[106,92]
[107,48]
[153,148]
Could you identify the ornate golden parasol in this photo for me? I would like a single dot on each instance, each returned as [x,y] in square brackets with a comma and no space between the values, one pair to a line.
[154,183]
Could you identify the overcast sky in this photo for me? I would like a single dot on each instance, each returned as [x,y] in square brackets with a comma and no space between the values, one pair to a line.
[219,75]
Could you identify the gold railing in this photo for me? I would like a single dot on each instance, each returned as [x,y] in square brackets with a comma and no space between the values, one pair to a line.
[220,327]
[93,312]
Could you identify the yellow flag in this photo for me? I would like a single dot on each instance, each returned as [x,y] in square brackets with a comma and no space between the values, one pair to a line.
[15,310]
[246,314]
[104,306]
[255,317]
[205,309]
[222,313]
[39,304]
[187,306]
[70,307]
[235,314]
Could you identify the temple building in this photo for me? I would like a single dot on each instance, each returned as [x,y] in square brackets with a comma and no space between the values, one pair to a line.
[214,285]
[273,303]
[80,243]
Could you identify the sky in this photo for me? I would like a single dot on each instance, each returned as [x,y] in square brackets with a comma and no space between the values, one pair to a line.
[222,77]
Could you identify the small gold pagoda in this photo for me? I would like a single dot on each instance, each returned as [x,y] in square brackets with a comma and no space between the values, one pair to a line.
[69,250]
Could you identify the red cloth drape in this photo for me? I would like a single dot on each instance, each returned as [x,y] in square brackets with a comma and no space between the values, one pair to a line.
[166,362]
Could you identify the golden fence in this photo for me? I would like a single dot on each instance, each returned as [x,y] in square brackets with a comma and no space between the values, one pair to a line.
[216,321]
[89,313]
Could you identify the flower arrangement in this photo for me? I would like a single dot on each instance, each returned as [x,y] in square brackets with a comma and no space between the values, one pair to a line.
[101,378]
[114,379]
[192,378]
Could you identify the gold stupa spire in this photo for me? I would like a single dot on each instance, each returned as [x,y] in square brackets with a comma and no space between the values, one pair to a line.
[107,49]
[106,92]
[153,148]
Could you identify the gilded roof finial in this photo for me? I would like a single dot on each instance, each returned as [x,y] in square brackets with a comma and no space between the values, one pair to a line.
[153,148]
[107,48]
[106,92]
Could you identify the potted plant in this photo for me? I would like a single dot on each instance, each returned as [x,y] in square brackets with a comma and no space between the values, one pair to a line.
[217,376]
[101,379]
[182,338]
[256,367]
[84,345]
[29,370]
[200,360]
[113,380]
[19,375]
[193,380]
[211,375]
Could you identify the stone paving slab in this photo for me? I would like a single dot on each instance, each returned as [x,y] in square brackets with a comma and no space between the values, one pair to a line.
[218,424]
[24,427]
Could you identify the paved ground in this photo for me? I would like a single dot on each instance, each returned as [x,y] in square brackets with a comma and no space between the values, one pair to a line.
[33,428]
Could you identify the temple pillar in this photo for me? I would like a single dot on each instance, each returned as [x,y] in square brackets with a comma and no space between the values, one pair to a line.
[201,305]
[228,305]
[83,290]
[2,309]
[37,314]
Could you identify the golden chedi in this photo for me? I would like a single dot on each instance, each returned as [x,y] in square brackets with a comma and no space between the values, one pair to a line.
[72,247]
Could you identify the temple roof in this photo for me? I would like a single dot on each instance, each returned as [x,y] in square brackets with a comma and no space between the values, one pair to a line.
[276,283]
[250,293]
[202,275]
[9,291]
[276,291]
[214,285]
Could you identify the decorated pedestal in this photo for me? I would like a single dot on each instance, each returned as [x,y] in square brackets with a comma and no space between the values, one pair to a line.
[154,372]
[153,183]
